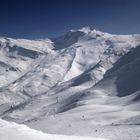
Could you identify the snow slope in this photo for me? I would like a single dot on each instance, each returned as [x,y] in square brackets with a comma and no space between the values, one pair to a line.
[84,82]
[14,131]
[19,56]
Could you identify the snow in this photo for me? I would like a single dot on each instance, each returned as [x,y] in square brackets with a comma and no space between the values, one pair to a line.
[83,83]
[14,131]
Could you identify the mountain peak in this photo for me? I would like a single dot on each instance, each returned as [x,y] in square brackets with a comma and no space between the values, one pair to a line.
[86,29]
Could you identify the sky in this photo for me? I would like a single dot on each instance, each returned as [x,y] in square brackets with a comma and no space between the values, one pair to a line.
[33,19]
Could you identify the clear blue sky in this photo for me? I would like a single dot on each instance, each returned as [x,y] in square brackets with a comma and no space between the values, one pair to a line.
[49,18]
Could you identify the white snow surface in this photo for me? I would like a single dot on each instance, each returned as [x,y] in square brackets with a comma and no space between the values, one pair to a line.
[13,131]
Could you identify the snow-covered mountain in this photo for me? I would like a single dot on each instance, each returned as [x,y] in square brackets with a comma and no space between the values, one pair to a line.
[84,82]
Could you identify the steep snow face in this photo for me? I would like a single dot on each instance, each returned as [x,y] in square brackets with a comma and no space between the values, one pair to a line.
[14,131]
[100,48]
[85,82]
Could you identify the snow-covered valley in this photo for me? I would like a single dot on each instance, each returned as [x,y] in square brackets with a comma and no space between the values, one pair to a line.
[83,83]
